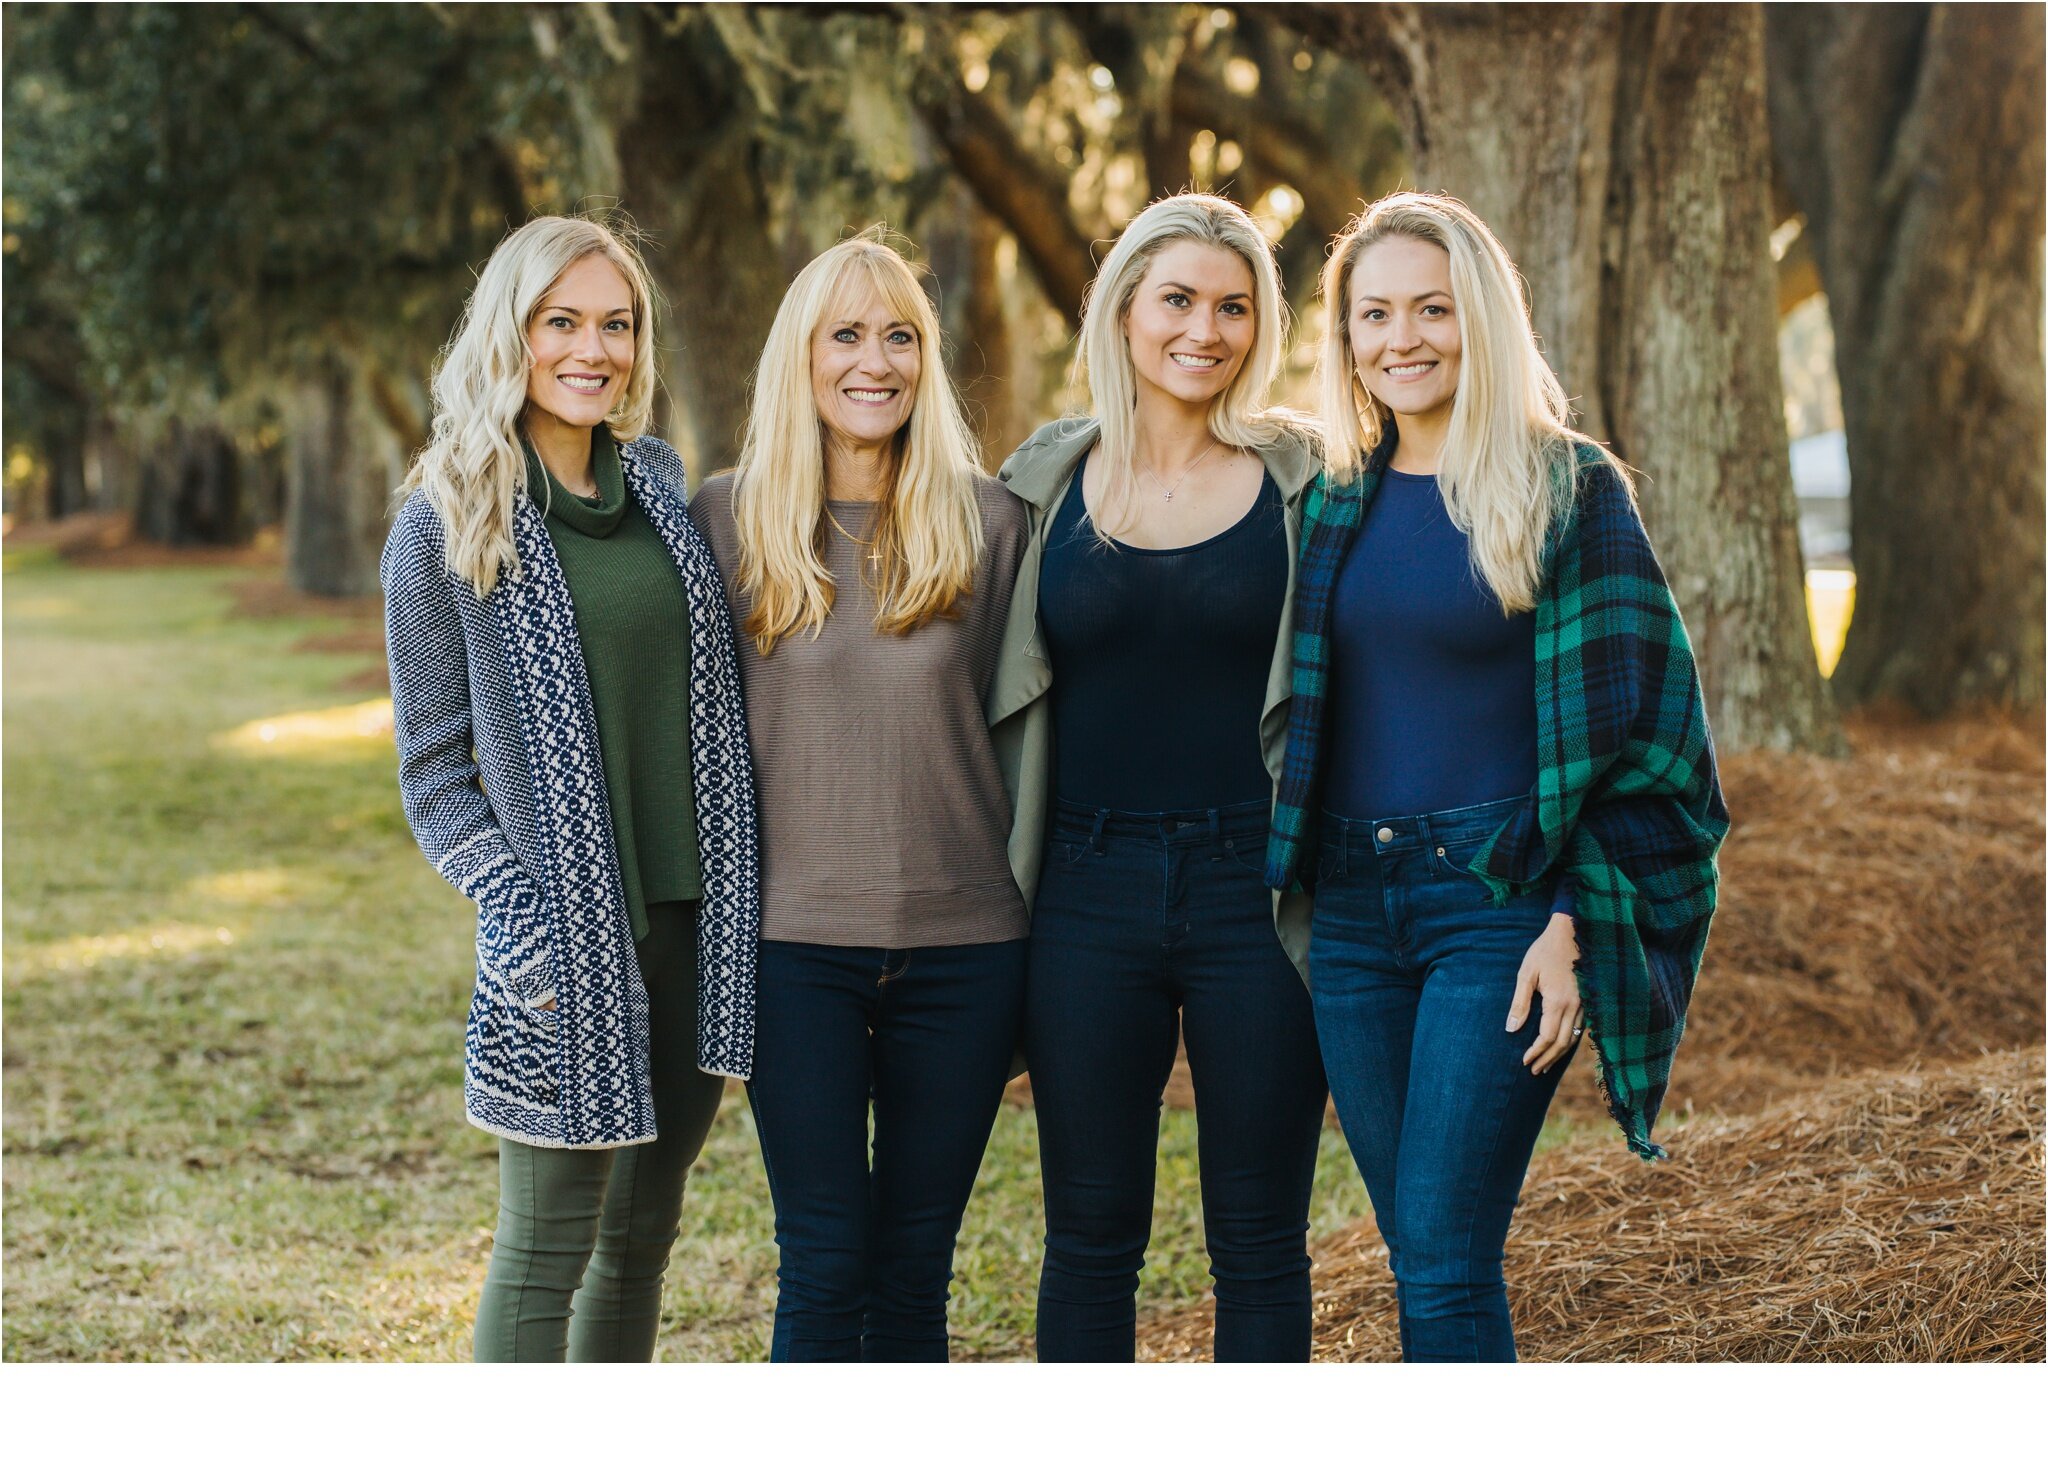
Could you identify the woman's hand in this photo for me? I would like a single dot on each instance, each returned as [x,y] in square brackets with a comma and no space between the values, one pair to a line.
[1548,969]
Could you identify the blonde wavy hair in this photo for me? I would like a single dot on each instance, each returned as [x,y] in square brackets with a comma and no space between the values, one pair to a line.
[1509,467]
[1240,415]
[927,529]
[473,469]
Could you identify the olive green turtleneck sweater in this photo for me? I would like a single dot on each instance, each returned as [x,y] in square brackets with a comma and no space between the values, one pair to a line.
[633,624]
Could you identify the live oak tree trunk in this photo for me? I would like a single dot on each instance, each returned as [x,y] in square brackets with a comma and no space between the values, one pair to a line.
[1621,155]
[346,458]
[693,175]
[1910,137]
[961,244]
[66,450]
[265,472]
[192,488]
[113,466]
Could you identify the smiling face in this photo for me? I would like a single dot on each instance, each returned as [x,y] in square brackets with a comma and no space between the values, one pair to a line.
[865,364]
[1191,323]
[581,337]
[1403,326]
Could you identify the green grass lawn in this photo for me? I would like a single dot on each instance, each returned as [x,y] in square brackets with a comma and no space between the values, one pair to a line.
[234,1001]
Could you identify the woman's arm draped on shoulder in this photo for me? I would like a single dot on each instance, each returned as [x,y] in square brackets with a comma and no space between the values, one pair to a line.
[438,778]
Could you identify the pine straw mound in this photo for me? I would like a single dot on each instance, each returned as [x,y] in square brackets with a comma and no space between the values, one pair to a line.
[1896,1217]
[1873,910]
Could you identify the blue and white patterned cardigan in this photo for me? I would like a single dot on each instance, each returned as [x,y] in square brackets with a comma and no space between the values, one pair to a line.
[498,769]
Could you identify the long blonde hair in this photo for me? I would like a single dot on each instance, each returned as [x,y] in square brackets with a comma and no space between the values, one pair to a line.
[473,469]
[1239,416]
[1509,465]
[927,528]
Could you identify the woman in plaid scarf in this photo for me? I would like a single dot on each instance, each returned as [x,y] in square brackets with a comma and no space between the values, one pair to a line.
[1499,777]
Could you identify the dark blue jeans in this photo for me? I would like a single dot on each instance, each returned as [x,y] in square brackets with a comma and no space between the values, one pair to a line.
[1145,925]
[926,1036]
[1413,969]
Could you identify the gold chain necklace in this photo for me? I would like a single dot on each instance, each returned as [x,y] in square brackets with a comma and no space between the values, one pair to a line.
[874,551]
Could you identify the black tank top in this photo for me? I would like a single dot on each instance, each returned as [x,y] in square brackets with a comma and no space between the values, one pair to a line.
[1160,659]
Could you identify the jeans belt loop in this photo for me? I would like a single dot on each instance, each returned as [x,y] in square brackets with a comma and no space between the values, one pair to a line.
[1215,832]
[1095,834]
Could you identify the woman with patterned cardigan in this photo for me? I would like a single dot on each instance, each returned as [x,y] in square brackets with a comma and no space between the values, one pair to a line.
[573,758]
[1499,777]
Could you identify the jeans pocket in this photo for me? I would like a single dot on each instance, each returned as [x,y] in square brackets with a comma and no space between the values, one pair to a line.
[1065,851]
[1454,856]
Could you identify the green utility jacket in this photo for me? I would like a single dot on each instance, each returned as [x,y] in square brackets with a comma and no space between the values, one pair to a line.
[1019,713]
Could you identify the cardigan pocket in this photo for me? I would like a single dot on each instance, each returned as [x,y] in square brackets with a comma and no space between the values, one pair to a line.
[513,950]
[512,1052]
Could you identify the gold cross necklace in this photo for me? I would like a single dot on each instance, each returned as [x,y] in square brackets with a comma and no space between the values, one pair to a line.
[874,550]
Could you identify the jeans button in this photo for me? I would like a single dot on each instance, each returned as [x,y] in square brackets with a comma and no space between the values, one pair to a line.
[1386,835]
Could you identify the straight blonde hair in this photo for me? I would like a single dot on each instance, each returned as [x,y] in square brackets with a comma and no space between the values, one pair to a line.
[1509,464]
[1239,416]
[927,533]
[473,469]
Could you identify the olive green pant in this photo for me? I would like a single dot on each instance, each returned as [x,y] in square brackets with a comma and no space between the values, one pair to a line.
[584,1235]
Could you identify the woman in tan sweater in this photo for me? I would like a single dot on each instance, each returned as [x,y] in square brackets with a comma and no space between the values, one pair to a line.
[869,565]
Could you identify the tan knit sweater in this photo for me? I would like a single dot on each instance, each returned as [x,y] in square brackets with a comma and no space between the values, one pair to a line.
[882,813]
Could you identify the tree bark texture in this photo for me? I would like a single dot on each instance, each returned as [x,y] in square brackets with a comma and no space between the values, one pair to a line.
[346,460]
[961,242]
[1911,137]
[693,176]
[1620,154]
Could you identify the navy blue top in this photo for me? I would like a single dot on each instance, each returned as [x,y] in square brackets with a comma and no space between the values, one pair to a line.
[1432,689]
[1160,659]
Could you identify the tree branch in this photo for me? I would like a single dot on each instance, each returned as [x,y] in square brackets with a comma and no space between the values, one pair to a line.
[1280,139]
[1380,38]
[267,17]
[1017,188]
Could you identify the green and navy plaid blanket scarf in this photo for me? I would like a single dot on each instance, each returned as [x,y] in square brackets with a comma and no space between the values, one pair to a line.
[1627,804]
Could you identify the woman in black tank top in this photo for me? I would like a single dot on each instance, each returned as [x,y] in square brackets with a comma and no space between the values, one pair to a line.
[1157,589]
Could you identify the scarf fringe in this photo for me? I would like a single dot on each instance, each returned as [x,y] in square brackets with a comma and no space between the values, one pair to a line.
[1635,1125]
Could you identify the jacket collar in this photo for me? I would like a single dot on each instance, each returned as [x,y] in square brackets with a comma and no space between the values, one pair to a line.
[1042,467]
[1292,461]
